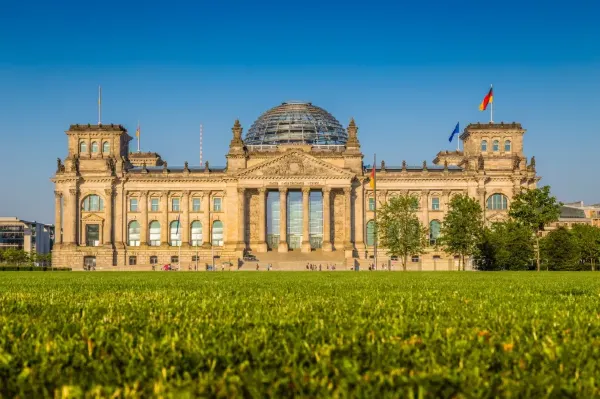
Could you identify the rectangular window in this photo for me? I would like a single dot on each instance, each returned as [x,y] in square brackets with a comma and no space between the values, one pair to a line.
[175,205]
[371,204]
[217,204]
[175,259]
[153,260]
[133,205]
[435,203]
[92,235]
[195,258]
[196,205]
[132,260]
[415,258]
[154,204]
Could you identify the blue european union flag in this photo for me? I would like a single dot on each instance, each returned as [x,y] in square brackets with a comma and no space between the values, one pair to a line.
[455,131]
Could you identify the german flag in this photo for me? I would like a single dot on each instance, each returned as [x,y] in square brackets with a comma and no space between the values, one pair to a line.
[489,98]
[372,178]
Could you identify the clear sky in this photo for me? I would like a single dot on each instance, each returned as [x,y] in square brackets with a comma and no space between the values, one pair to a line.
[406,71]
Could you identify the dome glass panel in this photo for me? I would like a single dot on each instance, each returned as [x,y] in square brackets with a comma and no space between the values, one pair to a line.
[296,123]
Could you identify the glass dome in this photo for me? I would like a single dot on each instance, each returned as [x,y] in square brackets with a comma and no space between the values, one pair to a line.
[296,123]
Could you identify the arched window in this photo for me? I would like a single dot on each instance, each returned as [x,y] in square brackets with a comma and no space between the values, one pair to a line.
[496,146]
[196,231]
[82,146]
[93,203]
[94,147]
[371,233]
[483,145]
[133,234]
[155,234]
[105,147]
[434,231]
[507,146]
[217,233]
[175,234]
[497,201]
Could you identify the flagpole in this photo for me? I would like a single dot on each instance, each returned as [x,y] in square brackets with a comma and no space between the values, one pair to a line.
[375,209]
[99,104]
[179,235]
[492,105]
[139,134]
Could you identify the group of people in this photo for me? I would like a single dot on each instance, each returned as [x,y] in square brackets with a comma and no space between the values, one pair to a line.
[314,267]
[269,267]
[373,267]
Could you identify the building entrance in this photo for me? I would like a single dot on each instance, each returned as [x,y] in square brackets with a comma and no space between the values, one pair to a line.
[89,263]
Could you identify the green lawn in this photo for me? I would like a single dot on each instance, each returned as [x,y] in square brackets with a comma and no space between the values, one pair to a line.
[314,334]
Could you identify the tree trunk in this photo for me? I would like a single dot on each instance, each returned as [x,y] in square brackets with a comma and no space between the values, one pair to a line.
[404,259]
[537,251]
[463,262]
[593,264]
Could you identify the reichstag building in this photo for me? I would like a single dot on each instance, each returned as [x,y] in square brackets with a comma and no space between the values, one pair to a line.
[294,188]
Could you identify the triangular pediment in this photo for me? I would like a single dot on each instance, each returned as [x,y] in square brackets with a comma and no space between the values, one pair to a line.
[92,217]
[295,164]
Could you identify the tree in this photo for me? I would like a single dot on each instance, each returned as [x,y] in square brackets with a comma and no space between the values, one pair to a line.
[587,238]
[535,209]
[399,229]
[559,249]
[505,246]
[462,228]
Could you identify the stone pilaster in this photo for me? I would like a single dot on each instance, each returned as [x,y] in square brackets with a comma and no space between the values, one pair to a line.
[305,220]
[481,197]
[348,247]
[283,245]
[185,219]
[262,220]
[241,242]
[57,218]
[144,218]
[206,226]
[164,224]
[425,207]
[108,217]
[327,247]
[120,227]
[73,217]
[359,220]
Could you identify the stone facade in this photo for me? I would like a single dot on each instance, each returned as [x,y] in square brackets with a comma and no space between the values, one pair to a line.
[102,191]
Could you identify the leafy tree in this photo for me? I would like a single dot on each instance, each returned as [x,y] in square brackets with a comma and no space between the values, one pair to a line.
[462,228]
[588,242]
[399,229]
[15,256]
[505,246]
[560,251]
[535,209]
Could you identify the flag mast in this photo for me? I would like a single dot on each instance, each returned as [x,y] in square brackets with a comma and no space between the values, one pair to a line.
[138,134]
[375,209]
[99,105]
[492,105]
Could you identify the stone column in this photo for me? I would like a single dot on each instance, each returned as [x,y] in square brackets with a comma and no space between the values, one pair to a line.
[327,220]
[481,195]
[73,238]
[359,221]
[305,220]
[348,222]
[164,224]
[120,219]
[108,217]
[283,245]
[57,215]
[206,227]
[446,206]
[185,219]
[262,220]
[144,218]
[425,207]
[241,241]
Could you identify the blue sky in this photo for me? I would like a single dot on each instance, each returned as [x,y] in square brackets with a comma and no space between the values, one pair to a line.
[406,72]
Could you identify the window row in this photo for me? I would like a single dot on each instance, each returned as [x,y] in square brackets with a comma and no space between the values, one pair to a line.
[496,145]
[435,204]
[175,230]
[434,232]
[94,147]
[175,204]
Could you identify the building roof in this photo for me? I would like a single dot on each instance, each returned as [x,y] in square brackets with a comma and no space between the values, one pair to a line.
[568,212]
[296,122]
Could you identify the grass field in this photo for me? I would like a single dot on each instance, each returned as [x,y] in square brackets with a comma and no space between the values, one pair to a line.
[314,334]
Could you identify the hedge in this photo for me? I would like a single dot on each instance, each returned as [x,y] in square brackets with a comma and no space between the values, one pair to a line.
[33,269]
